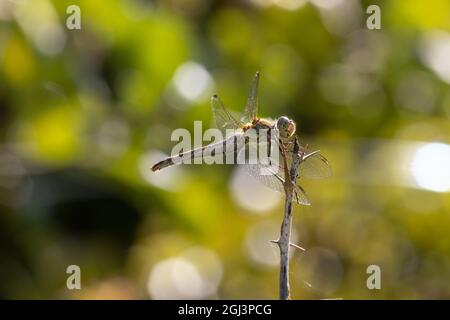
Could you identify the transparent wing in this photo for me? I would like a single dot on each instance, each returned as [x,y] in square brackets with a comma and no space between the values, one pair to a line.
[264,173]
[313,166]
[222,117]
[270,174]
[270,181]
[271,170]
[251,108]
[300,196]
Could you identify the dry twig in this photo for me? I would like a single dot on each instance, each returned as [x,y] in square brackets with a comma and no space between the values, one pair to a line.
[284,241]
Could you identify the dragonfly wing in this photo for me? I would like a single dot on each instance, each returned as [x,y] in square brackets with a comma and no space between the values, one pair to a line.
[315,166]
[275,182]
[267,174]
[251,108]
[270,181]
[260,172]
[222,117]
[300,196]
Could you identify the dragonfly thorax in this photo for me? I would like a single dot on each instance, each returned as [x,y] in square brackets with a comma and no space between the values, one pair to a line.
[258,124]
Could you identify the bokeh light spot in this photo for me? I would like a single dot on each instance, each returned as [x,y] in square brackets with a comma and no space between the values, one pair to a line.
[435,53]
[171,178]
[193,82]
[251,194]
[194,274]
[430,167]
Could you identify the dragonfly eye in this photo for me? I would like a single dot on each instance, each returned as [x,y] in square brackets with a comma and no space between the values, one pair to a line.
[291,128]
[286,127]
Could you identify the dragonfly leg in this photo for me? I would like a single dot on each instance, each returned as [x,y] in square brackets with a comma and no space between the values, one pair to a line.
[310,154]
[296,196]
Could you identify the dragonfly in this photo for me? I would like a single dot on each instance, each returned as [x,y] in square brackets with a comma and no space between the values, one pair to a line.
[312,165]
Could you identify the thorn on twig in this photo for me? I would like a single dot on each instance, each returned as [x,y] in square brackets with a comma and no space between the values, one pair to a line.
[277,242]
[297,246]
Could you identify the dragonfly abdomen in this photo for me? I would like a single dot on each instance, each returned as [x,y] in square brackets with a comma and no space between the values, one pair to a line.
[163,164]
[230,145]
[181,157]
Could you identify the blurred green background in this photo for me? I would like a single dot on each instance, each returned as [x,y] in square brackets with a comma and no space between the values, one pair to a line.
[85,113]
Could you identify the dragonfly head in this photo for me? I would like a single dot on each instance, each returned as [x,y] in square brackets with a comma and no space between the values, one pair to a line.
[285,126]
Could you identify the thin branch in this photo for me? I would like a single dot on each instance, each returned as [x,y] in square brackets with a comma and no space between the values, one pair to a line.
[284,242]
